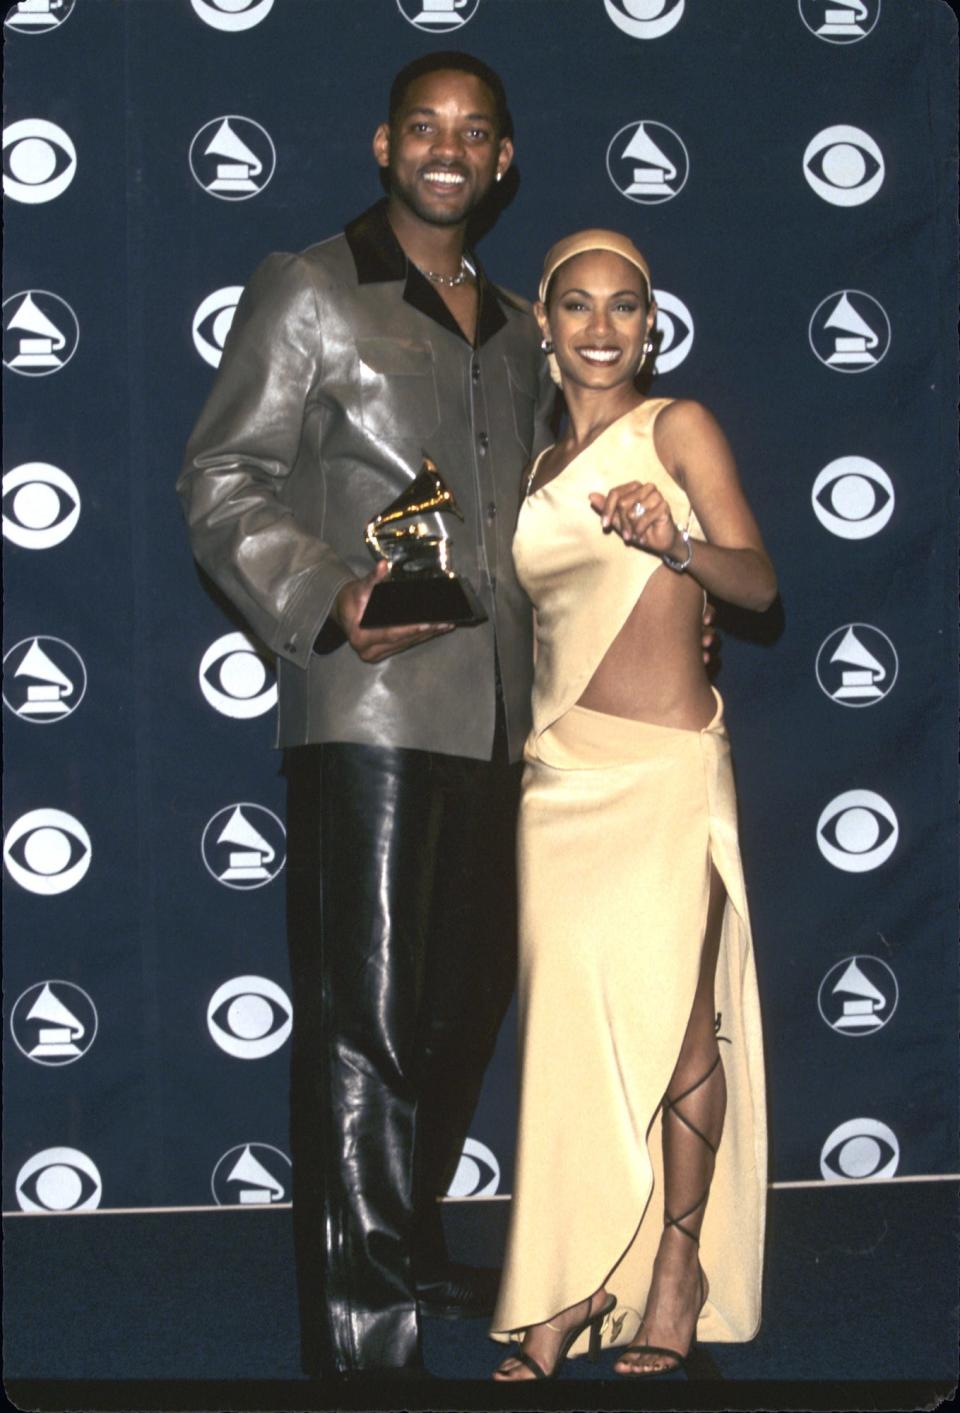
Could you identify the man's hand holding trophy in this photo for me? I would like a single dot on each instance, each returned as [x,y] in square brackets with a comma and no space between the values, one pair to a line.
[413,593]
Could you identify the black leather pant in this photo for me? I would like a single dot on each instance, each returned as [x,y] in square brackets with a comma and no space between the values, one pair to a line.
[401,922]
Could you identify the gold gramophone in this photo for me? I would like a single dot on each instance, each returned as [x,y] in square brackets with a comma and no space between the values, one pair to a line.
[420,585]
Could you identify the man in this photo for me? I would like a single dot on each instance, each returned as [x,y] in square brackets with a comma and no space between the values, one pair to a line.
[345,366]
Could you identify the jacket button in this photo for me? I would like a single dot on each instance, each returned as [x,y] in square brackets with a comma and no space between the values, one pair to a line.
[491,510]
[484,441]
[475,371]
[289,647]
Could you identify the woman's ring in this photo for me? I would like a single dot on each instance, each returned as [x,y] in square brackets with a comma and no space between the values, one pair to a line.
[639,510]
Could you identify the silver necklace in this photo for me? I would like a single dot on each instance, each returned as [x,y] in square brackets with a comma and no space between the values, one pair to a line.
[448,281]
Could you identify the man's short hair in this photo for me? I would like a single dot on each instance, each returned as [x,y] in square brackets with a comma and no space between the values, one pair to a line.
[464,63]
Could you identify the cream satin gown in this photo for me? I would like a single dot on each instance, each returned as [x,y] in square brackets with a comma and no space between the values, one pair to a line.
[619,823]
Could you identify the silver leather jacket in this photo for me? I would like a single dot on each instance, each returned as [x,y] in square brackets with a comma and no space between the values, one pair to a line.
[342,368]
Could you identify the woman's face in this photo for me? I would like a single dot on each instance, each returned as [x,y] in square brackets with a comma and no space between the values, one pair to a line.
[598,319]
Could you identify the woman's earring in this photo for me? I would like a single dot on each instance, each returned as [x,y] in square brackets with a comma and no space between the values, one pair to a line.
[553,367]
[645,353]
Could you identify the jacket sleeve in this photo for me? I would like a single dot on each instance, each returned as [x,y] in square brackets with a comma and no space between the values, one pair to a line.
[283,579]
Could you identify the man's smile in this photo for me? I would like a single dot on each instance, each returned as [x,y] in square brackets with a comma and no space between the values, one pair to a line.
[443,178]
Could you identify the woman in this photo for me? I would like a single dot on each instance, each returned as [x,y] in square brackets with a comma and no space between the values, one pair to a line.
[636,966]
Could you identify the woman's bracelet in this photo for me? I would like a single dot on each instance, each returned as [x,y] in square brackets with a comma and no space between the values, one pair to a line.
[679,565]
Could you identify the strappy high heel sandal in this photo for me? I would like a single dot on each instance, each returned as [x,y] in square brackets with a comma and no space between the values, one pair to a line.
[592,1322]
[679,1360]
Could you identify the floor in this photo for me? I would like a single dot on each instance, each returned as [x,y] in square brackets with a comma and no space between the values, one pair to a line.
[198,1310]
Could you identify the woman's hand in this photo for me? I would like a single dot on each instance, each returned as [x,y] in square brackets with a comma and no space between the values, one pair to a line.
[641,516]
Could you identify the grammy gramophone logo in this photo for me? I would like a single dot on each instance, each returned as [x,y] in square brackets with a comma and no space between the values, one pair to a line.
[840,21]
[53,1023]
[244,846]
[648,162]
[858,996]
[38,16]
[849,331]
[44,680]
[438,16]
[857,665]
[40,333]
[251,1175]
[232,158]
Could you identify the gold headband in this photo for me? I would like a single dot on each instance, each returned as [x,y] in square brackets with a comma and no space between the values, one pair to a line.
[582,241]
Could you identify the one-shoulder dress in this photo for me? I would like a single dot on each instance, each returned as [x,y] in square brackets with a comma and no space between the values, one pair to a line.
[619,823]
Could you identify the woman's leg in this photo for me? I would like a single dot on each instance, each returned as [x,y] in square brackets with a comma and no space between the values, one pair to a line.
[542,1342]
[692,1118]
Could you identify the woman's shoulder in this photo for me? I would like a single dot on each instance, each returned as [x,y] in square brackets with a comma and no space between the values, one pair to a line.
[683,423]
[685,434]
[682,414]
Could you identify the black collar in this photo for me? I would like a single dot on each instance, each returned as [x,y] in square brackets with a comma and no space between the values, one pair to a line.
[379,257]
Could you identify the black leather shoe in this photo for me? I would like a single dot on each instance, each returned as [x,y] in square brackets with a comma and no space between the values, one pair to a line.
[459,1292]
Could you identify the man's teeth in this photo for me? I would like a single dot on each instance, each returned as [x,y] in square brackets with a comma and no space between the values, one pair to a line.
[445,178]
[600,355]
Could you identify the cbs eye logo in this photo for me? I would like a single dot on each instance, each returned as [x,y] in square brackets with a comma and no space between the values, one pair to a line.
[41,505]
[251,1175]
[39,161]
[47,851]
[857,832]
[38,16]
[853,498]
[844,165]
[860,1148]
[674,328]
[438,16]
[232,15]
[478,1172]
[236,679]
[645,19]
[59,1180]
[212,321]
[249,1017]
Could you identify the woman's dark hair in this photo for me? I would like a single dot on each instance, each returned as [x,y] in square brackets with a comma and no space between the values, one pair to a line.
[464,63]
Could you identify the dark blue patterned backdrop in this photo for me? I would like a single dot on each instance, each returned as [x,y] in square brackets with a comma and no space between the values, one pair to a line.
[789,170]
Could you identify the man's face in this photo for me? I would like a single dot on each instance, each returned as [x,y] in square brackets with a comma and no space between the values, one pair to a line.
[442,152]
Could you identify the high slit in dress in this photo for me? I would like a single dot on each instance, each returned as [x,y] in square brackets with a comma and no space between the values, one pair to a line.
[620,821]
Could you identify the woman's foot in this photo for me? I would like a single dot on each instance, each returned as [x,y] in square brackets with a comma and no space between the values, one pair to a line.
[677,1293]
[542,1343]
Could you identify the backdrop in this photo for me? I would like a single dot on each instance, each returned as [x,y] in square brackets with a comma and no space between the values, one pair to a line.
[789,169]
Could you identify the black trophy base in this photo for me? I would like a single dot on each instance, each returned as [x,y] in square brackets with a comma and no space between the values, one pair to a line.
[435,598]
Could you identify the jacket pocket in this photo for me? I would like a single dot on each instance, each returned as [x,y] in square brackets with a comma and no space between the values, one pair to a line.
[398,389]
[523,399]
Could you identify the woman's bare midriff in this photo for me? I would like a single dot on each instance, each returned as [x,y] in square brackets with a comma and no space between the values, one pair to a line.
[653,670]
